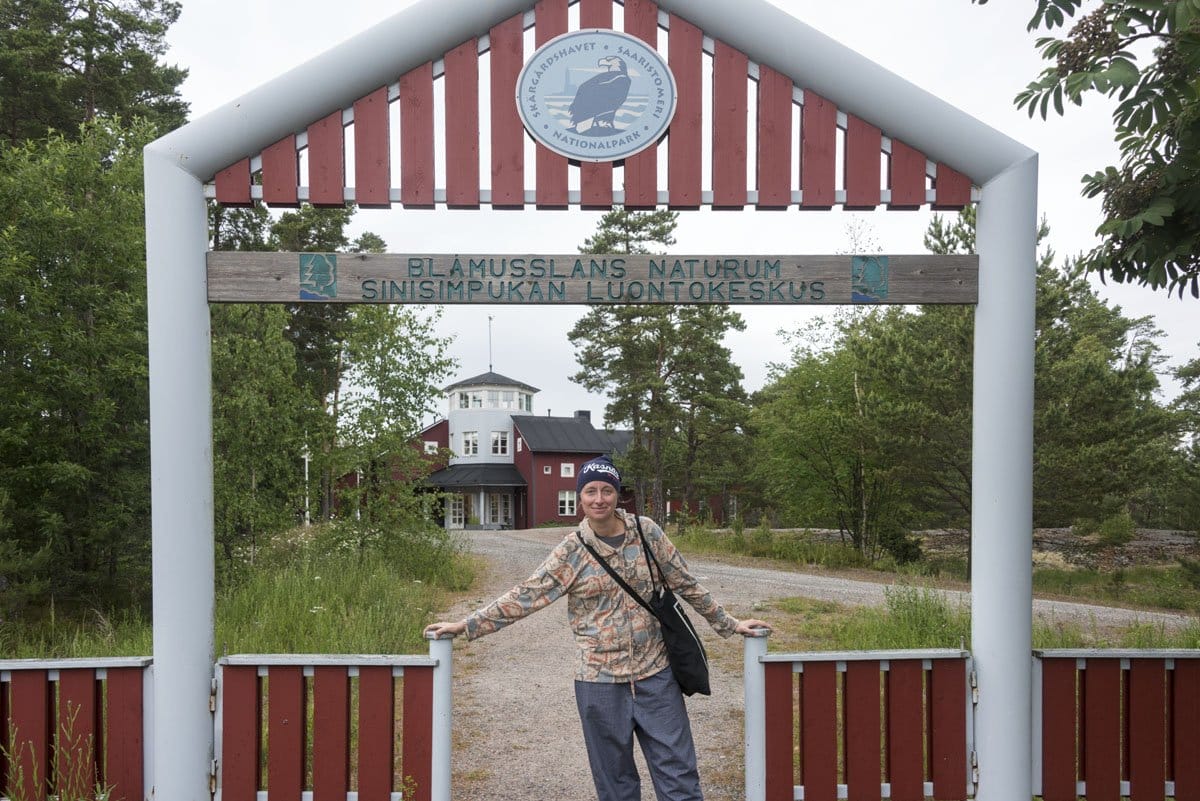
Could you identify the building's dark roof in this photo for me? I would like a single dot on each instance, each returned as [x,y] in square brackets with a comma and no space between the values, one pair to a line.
[477,475]
[560,434]
[491,379]
[618,441]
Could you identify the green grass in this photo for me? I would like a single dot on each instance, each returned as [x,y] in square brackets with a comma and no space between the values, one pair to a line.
[916,617]
[798,547]
[299,597]
[334,604]
[1154,586]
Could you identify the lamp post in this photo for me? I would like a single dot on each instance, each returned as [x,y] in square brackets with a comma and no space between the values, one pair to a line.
[304,453]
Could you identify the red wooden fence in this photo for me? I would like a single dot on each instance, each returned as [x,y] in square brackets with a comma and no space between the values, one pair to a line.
[67,726]
[326,724]
[868,725]
[483,156]
[1118,723]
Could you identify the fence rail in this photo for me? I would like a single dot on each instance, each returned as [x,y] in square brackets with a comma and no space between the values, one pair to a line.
[326,725]
[864,725]
[819,726]
[1114,723]
[69,725]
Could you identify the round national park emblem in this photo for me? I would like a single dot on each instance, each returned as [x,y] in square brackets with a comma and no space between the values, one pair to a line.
[596,95]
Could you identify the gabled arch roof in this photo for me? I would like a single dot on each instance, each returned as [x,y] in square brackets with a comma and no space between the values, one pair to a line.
[428,30]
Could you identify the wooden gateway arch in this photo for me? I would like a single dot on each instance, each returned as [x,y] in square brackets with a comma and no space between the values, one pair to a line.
[865,138]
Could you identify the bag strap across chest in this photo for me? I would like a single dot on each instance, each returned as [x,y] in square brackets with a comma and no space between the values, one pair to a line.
[617,577]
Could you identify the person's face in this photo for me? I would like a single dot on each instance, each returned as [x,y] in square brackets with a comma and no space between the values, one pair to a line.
[599,500]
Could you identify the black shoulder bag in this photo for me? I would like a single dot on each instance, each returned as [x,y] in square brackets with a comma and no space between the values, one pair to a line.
[689,662]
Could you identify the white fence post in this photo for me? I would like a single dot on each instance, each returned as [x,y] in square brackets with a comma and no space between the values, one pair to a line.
[443,698]
[754,698]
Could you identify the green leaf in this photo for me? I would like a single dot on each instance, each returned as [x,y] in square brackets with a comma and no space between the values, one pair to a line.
[1122,72]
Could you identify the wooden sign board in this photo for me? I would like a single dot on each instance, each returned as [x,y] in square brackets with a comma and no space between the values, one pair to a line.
[242,277]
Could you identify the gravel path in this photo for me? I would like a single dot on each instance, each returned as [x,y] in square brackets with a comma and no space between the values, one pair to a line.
[516,730]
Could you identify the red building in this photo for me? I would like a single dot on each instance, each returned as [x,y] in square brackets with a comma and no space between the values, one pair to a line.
[511,468]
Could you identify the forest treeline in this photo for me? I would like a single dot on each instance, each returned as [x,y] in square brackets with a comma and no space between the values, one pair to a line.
[865,429]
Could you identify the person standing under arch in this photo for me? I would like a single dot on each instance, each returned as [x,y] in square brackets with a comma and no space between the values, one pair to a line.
[624,688]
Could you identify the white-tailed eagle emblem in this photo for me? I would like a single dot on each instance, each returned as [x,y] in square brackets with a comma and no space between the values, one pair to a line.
[600,97]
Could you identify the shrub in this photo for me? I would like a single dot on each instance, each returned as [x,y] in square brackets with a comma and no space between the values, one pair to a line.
[1116,530]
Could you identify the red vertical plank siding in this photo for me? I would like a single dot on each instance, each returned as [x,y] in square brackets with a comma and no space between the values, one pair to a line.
[1058,730]
[641,169]
[78,731]
[780,781]
[818,152]
[285,731]
[685,138]
[508,136]
[862,731]
[596,179]
[124,738]
[240,741]
[331,733]
[1147,729]
[416,137]
[774,165]
[372,151]
[376,731]
[729,127]
[1185,719]
[948,731]
[4,744]
[906,177]
[462,126]
[819,731]
[1102,729]
[905,740]
[31,707]
[233,185]
[550,20]
[327,161]
[281,173]
[951,189]
[418,730]
[864,144]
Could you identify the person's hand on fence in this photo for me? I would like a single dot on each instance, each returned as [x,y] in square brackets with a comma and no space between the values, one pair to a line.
[753,627]
[437,631]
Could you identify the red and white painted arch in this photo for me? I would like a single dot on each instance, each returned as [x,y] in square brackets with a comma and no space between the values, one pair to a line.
[396,117]
[447,132]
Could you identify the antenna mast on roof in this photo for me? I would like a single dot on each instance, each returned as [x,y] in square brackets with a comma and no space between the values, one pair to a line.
[489,343]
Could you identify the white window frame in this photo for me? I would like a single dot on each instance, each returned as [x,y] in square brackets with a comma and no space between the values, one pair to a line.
[566,503]
[499,443]
[546,470]
[470,441]
[464,400]
[520,444]
[500,507]
[567,470]
[456,513]
[431,446]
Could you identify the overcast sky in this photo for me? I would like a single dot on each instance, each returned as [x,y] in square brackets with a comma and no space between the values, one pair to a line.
[974,57]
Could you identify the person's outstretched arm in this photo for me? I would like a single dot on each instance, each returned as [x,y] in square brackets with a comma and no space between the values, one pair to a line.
[543,587]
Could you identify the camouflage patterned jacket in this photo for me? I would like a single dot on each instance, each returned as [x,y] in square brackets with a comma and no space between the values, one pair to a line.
[618,639]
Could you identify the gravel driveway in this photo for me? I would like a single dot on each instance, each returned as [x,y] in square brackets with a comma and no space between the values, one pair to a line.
[516,730]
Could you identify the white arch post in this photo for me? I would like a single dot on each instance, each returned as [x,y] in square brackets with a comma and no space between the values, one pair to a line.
[181,479]
[1002,483]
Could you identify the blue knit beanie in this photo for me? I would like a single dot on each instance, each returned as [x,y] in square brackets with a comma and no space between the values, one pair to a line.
[599,469]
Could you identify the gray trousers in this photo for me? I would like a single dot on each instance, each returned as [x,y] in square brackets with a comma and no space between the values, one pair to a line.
[612,714]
